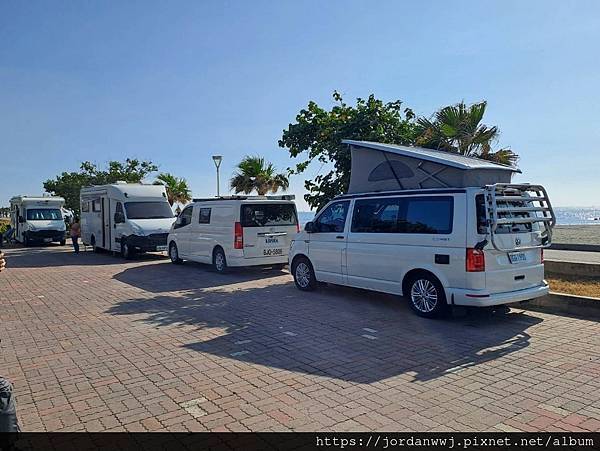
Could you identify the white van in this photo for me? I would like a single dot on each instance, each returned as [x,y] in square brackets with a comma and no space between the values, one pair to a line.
[438,247]
[125,218]
[37,219]
[235,231]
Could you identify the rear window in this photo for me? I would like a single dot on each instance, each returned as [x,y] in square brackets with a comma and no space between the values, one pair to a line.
[265,215]
[503,228]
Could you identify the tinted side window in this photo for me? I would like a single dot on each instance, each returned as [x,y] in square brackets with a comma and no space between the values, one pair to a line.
[333,217]
[204,216]
[427,215]
[480,210]
[376,216]
[119,207]
[185,217]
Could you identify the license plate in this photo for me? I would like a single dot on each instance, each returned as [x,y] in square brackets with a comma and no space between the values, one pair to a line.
[161,248]
[47,240]
[517,257]
[272,252]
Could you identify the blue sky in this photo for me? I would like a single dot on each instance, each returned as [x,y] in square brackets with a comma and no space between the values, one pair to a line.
[176,82]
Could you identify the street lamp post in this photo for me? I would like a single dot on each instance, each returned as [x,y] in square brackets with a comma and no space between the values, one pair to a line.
[217,159]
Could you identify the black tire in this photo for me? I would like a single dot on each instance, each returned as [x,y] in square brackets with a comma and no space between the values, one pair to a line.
[26,241]
[63,242]
[219,261]
[304,274]
[174,254]
[426,296]
[126,251]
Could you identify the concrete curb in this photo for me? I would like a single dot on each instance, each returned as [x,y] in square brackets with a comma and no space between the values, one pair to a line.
[575,247]
[564,304]
[572,268]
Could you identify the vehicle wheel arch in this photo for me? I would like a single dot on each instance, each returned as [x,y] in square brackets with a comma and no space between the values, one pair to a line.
[410,275]
[214,250]
[299,256]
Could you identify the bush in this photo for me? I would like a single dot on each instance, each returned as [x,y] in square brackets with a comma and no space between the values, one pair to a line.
[4,223]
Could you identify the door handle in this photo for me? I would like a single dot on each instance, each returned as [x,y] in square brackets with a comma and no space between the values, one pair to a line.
[339,237]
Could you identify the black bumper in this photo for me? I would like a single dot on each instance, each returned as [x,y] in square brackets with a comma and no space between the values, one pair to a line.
[41,235]
[147,243]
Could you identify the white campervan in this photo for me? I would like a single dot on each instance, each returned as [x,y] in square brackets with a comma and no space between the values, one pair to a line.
[37,219]
[126,217]
[235,231]
[438,246]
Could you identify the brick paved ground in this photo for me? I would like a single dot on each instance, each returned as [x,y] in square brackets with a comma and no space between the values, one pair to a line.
[96,343]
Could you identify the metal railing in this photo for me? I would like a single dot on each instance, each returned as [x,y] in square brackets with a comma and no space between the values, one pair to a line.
[517,205]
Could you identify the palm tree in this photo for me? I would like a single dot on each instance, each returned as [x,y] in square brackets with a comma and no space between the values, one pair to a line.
[177,188]
[457,128]
[254,173]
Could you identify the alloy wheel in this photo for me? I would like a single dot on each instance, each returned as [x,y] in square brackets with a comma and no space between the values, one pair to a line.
[219,261]
[302,274]
[423,295]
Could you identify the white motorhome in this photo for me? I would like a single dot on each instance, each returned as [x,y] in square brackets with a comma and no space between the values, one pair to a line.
[235,231]
[125,217]
[37,219]
[440,229]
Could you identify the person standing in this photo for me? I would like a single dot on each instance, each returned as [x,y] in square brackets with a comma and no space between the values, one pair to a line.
[75,234]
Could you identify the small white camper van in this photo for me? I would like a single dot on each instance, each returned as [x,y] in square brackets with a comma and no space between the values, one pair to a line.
[440,229]
[37,219]
[235,231]
[125,217]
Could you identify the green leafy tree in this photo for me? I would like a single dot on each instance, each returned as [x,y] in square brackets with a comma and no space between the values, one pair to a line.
[318,132]
[458,128]
[68,184]
[177,188]
[256,174]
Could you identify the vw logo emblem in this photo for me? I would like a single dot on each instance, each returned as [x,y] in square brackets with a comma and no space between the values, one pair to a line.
[517,241]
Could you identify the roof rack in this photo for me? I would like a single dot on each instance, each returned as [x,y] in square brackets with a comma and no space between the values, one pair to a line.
[214,199]
[511,204]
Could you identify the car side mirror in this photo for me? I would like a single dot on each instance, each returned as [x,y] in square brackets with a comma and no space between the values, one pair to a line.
[21,219]
[119,218]
[310,227]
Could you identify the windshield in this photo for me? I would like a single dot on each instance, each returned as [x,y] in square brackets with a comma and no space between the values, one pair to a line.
[148,210]
[44,214]
[265,215]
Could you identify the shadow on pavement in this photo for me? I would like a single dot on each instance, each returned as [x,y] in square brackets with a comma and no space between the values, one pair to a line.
[56,255]
[190,276]
[348,334]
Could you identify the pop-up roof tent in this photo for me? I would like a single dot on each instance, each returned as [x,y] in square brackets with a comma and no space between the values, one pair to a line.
[386,167]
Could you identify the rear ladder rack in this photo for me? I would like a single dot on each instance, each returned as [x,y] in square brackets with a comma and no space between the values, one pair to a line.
[532,207]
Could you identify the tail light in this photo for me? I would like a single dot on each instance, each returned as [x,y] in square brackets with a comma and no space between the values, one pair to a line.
[238,238]
[297,227]
[475,260]
[542,255]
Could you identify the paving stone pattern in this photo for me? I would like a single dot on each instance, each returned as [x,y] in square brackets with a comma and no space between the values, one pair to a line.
[96,343]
